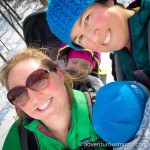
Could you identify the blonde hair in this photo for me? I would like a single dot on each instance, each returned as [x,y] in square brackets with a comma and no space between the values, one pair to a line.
[45,61]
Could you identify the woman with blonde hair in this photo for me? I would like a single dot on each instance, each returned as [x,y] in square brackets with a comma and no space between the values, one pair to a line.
[48,106]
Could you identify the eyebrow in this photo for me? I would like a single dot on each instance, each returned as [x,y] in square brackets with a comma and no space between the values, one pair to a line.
[80,22]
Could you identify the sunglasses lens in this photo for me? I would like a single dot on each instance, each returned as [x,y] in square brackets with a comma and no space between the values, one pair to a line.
[17,96]
[38,79]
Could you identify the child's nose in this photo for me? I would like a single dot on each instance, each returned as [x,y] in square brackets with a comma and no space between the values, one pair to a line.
[78,69]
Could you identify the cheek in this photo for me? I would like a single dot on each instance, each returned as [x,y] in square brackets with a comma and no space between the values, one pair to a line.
[99,20]
[70,66]
[91,45]
[84,71]
[26,108]
[54,86]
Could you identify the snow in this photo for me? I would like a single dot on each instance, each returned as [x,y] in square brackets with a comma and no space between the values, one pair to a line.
[15,44]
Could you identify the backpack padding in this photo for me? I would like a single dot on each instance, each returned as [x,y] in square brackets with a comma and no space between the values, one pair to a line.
[33,143]
[28,140]
[88,97]
[23,138]
[38,34]
[118,69]
[36,30]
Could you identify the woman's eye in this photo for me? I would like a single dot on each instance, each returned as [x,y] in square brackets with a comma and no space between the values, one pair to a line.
[87,19]
[80,39]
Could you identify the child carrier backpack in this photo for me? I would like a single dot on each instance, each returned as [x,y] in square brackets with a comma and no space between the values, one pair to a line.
[38,34]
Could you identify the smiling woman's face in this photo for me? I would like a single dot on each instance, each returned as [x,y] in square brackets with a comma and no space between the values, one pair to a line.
[46,104]
[101,28]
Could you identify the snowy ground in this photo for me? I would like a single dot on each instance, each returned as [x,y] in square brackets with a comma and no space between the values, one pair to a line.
[15,44]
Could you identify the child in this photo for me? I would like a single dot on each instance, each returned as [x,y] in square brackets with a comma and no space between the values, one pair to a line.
[102,26]
[122,116]
[48,107]
[83,62]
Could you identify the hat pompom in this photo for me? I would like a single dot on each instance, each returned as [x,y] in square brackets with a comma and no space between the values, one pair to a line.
[118,111]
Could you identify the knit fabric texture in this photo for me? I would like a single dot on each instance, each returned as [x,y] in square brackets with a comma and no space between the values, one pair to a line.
[118,111]
[62,15]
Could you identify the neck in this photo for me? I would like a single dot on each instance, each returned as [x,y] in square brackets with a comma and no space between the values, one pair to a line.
[125,12]
[130,13]
[59,127]
[126,15]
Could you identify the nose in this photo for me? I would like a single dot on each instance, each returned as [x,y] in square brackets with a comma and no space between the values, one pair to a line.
[92,33]
[77,68]
[34,96]
[96,32]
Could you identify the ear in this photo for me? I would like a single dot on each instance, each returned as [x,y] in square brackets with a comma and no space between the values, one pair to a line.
[111,2]
[60,74]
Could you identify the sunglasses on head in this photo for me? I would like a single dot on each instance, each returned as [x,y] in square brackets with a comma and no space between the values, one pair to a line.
[37,80]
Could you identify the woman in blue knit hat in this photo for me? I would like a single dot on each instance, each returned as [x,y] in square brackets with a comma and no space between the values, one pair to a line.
[105,26]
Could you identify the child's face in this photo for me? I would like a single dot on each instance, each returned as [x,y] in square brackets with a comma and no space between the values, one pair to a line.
[101,28]
[82,66]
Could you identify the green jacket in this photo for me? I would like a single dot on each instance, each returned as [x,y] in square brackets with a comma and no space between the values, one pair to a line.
[138,59]
[80,130]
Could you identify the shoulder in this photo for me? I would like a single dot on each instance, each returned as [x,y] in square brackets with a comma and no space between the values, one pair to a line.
[13,139]
[145,4]
[96,83]
[145,1]
[78,96]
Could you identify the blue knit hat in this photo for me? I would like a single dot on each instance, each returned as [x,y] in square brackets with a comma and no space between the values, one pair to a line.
[62,15]
[118,111]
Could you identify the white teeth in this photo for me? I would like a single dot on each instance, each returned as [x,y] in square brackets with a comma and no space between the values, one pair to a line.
[107,38]
[45,105]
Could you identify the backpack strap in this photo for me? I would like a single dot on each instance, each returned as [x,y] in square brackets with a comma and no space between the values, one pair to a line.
[23,138]
[118,68]
[28,140]
[89,102]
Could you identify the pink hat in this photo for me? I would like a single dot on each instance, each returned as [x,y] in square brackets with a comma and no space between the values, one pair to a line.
[83,55]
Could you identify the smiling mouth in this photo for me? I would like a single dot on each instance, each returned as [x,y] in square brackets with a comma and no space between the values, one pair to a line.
[45,105]
[107,37]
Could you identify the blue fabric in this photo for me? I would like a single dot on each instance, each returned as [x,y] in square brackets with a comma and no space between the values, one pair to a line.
[118,111]
[62,15]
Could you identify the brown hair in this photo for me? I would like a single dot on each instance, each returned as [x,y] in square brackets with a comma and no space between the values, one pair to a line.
[45,61]
[105,2]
